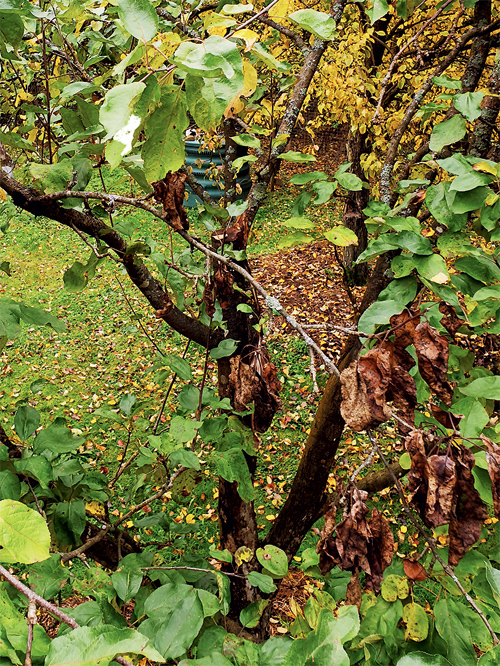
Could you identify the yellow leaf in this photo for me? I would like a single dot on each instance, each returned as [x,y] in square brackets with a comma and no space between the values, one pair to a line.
[280,8]
[248,36]
[94,508]
[190,519]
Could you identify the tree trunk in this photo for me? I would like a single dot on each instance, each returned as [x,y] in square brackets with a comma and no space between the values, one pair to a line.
[353,217]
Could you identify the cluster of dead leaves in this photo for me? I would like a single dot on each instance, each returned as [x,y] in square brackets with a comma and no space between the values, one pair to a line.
[170,193]
[382,375]
[442,489]
[254,381]
[357,542]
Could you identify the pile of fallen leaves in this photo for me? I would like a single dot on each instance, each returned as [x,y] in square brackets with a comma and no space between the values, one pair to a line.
[307,281]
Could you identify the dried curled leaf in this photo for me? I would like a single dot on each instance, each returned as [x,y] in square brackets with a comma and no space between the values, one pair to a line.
[170,193]
[364,385]
[441,490]
[254,381]
[404,325]
[432,353]
[450,321]
[358,543]
[493,460]
[470,511]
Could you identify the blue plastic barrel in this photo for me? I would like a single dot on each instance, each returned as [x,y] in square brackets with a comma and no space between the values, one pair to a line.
[200,162]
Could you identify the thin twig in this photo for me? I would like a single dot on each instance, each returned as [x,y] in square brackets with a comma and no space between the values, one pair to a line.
[430,542]
[253,18]
[212,571]
[137,318]
[313,371]
[363,465]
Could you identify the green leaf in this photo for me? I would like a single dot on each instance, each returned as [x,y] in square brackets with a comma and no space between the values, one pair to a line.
[318,23]
[451,629]
[183,430]
[297,238]
[208,98]
[349,181]
[493,578]
[394,587]
[484,387]
[378,11]
[57,438]
[323,192]
[273,559]
[469,104]
[12,28]
[175,618]
[341,236]
[267,58]
[226,347]
[323,646]
[69,521]
[164,147]
[127,403]
[139,18]
[378,314]
[37,317]
[294,156]
[311,177]
[263,582]
[447,132]
[24,535]
[180,366]
[47,578]
[423,659]
[232,466]
[432,267]
[10,486]
[98,646]
[185,458]
[490,658]
[250,616]
[299,223]
[405,460]
[128,578]
[189,398]
[52,177]
[446,82]
[479,267]
[246,140]
[417,622]
[26,421]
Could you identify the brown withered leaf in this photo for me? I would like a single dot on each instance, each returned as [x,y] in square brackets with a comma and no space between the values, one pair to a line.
[358,543]
[237,234]
[493,460]
[253,381]
[364,385]
[450,321]
[441,495]
[470,511]
[404,325]
[170,193]
[354,592]
[348,548]
[447,419]
[404,396]
[380,549]
[414,570]
[418,482]
[208,298]
[432,353]
[224,281]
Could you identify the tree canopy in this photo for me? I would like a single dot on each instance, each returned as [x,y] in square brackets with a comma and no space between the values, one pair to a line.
[100,93]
